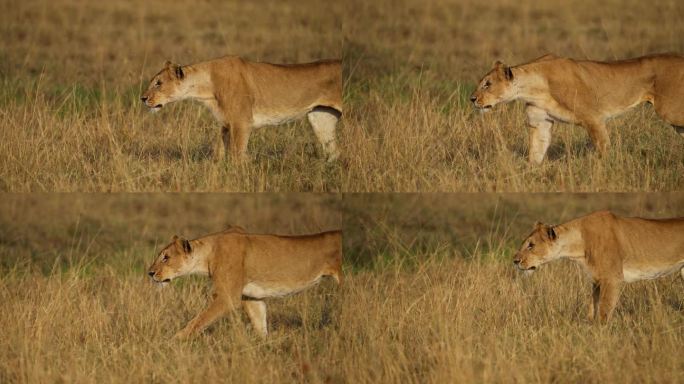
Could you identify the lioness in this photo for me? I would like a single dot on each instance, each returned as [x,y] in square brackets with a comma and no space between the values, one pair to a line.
[585,92]
[243,95]
[611,249]
[248,268]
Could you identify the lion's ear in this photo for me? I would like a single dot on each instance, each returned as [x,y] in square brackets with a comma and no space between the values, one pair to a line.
[174,238]
[178,70]
[175,68]
[551,233]
[504,69]
[508,73]
[182,244]
[538,224]
[186,246]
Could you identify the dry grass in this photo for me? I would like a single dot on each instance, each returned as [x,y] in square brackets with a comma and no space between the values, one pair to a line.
[412,64]
[443,306]
[71,73]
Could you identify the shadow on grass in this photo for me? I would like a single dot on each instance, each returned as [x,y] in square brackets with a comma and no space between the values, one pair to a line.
[285,321]
[557,150]
[202,152]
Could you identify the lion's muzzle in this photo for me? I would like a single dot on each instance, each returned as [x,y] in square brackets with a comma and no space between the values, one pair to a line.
[478,104]
[146,100]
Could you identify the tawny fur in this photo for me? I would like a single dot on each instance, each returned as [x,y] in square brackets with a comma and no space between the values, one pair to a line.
[584,92]
[247,268]
[243,95]
[611,249]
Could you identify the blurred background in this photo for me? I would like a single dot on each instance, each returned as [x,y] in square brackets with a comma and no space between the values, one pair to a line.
[54,232]
[412,228]
[124,42]
[48,233]
[461,39]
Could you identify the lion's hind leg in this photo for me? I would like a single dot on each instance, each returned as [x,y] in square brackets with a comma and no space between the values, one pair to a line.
[669,109]
[256,310]
[679,130]
[337,275]
[323,121]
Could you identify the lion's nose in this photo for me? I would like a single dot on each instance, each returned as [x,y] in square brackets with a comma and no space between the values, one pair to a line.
[150,273]
[143,98]
[473,98]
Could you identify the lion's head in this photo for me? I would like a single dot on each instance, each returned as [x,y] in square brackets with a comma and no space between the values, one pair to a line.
[173,261]
[165,87]
[540,247]
[496,87]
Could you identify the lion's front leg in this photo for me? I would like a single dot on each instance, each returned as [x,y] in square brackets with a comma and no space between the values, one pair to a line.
[608,298]
[540,133]
[239,138]
[224,300]
[234,140]
[598,132]
[594,301]
[223,150]
[216,309]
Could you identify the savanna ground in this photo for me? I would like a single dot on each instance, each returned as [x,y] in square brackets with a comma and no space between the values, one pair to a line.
[430,294]
[411,66]
[71,74]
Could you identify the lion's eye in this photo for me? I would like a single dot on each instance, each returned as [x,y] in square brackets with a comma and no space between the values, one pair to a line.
[530,245]
[165,258]
[486,85]
[158,83]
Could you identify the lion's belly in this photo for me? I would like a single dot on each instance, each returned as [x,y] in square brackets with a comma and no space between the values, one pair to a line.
[275,118]
[649,273]
[262,290]
[626,105]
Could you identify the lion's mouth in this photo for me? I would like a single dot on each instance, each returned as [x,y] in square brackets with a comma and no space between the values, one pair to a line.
[155,108]
[483,108]
[166,281]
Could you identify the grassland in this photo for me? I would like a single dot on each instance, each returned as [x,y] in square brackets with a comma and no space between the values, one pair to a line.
[71,74]
[430,295]
[412,65]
